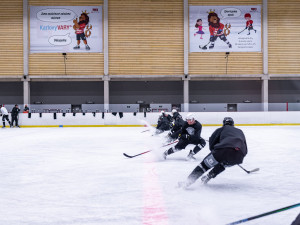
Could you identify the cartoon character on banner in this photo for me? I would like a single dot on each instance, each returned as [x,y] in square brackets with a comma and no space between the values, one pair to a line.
[199,26]
[216,29]
[82,30]
[249,24]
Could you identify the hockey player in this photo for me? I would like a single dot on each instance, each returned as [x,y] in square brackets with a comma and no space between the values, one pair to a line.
[4,115]
[177,125]
[164,122]
[228,147]
[249,23]
[14,115]
[190,134]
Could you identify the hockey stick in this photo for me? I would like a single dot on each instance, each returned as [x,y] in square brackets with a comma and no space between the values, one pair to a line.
[145,131]
[204,47]
[242,30]
[248,171]
[132,156]
[264,214]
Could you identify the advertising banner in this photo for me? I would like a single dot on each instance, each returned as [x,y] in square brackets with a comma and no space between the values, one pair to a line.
[65,29]
[225,28]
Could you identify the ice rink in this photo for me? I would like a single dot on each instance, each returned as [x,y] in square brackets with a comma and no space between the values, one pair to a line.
[66,176]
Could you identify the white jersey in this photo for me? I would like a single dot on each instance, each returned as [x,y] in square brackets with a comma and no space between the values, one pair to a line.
[4,111]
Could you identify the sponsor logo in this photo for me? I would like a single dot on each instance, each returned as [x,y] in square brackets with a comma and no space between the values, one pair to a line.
[95,10]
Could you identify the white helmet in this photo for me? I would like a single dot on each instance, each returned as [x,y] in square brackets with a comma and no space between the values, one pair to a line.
[162,112]
[190,116]
[174,110]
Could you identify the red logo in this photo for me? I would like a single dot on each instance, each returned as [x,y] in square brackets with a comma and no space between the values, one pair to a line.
[253,9]
[95,10]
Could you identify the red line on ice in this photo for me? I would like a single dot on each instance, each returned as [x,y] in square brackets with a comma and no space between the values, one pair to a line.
[154,208]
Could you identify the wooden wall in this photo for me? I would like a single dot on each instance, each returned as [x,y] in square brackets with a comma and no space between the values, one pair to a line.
[145,37]
[284,36]
[11,37]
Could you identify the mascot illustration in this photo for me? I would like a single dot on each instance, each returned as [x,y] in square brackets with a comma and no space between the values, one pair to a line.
[79,30]
[216,30]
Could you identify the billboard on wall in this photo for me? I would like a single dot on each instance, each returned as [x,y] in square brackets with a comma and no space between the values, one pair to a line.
[225,28]
[65,29]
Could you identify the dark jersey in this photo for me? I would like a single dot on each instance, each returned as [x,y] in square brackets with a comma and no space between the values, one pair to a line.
[164,122]
[15,111]
[228,137]
[178,122]
[194,130]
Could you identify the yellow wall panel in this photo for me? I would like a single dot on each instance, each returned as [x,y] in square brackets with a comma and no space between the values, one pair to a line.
[145,37]
[76,63]
[11,37]
[284,36]
[215,62]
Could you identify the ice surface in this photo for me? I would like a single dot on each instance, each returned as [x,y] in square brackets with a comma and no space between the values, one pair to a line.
[80,176]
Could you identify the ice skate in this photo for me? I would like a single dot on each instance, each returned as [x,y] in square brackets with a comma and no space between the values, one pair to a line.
[190,156]
[77,47]
[165,154]
[205,179]
[182,184]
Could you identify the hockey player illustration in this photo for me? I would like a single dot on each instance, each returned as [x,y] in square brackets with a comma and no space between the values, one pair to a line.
[79,28]
[249,23]
[200,27]
[216,29]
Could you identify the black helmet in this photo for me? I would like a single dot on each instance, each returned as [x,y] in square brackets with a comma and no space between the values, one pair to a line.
[228,121]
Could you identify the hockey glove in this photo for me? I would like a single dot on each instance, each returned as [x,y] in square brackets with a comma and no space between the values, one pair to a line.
[202,142]
[185,136]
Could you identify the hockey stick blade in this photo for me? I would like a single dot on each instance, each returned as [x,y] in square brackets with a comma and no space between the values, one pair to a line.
[254,170]
[128,156]
[145,131]
[247,171]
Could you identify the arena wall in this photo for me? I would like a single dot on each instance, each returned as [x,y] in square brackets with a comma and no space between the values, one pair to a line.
[141,119]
